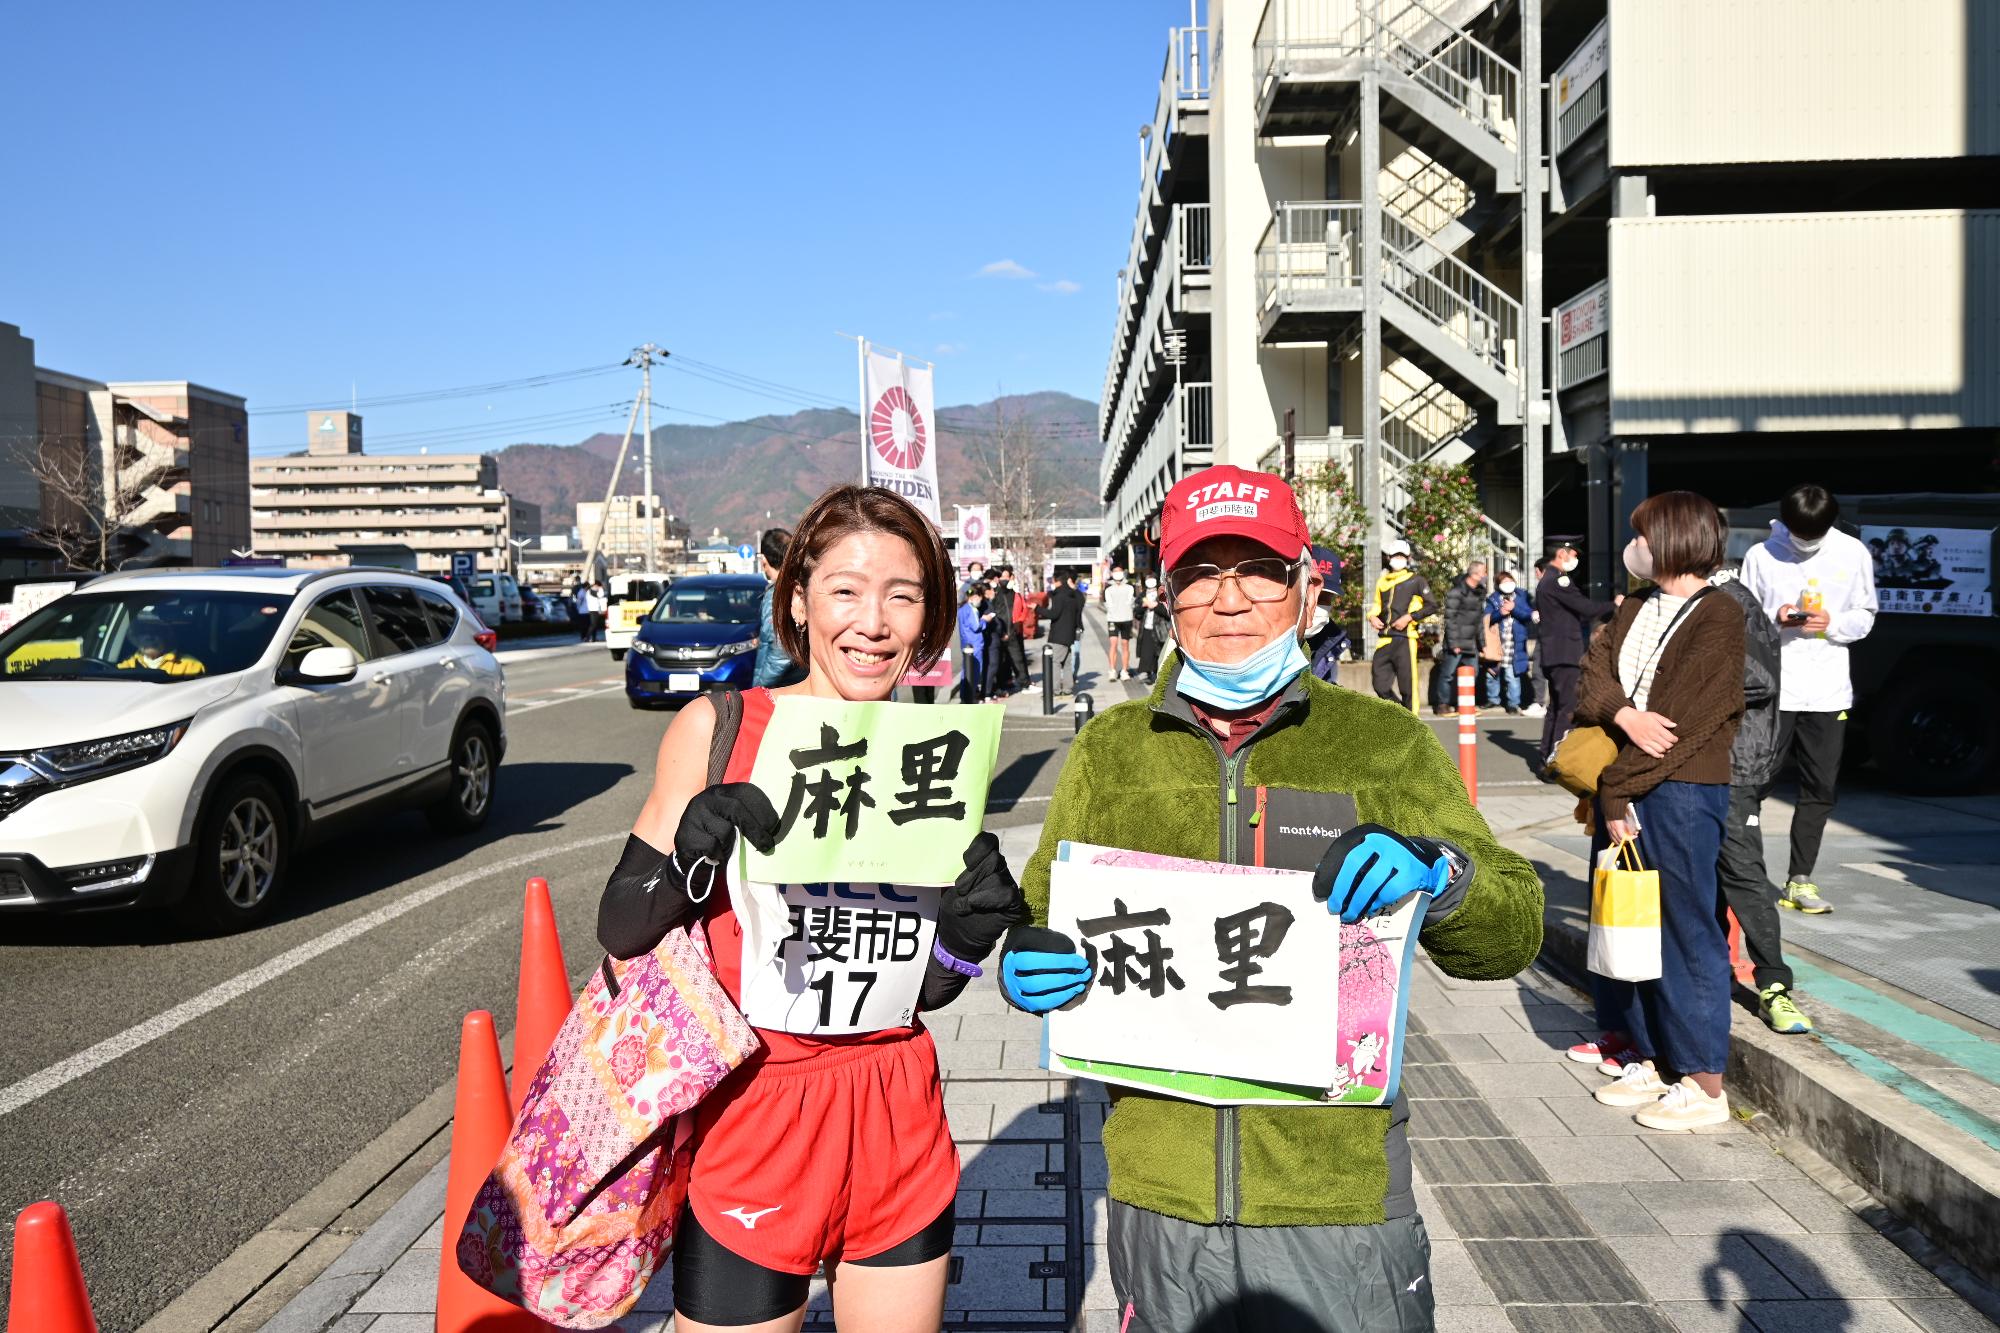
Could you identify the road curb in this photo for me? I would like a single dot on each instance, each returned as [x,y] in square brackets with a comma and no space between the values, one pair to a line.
[1940,1179]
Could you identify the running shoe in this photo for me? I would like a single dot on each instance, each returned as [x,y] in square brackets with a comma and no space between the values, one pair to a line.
[1685,1106]
[1774,1002]
[1638,1084]
[1589,1052]
[1534,710]
[1608,1058]
[1803,896]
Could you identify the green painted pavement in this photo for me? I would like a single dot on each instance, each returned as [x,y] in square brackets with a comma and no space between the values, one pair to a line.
[1969,1052]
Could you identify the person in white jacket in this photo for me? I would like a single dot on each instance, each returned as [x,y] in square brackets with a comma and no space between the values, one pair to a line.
[1818,583]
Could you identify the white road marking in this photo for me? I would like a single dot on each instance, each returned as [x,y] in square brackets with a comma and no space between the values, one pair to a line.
[17,1095]
[533,704]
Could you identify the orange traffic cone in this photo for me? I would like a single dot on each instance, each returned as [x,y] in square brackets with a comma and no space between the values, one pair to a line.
[543,1000]
[480,1119]
[47,1294]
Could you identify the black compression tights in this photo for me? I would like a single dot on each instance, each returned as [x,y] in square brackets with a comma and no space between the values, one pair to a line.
[715,1285]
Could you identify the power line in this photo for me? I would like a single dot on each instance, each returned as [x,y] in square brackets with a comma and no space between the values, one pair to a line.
[488,426]
[439,395]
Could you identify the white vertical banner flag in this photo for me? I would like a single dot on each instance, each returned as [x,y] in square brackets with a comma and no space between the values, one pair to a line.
[900,432]
[975,534]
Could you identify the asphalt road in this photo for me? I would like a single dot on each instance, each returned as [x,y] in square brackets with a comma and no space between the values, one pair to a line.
[176,1095]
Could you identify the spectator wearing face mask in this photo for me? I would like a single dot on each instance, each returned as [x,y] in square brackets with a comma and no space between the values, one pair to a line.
[1464,618]
[1402,598]
[1119,609]
[1818,584]
[1151,616]
[1510,619]
[1326,638]
[1567,618]
[1536,688]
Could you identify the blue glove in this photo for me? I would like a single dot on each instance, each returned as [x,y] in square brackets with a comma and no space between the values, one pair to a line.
[1368,870]
[1040,969]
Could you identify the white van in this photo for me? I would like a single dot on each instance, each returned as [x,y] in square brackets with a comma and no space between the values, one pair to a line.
[628,600]
[496,597]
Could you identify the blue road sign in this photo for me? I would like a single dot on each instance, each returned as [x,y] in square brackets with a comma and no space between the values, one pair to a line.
[746,550]
[464,564]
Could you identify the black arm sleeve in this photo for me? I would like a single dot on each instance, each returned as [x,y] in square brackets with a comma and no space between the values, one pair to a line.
[643,900]
[942,985]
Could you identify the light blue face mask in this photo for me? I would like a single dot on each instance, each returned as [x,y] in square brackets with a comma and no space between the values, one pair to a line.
[1232,685]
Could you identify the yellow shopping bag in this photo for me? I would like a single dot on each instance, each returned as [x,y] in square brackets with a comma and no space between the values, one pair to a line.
[1624,916]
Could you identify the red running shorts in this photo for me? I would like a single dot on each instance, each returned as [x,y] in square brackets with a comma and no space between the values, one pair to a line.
[841,1156]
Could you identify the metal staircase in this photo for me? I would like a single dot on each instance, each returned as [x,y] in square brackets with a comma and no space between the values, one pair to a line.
[1451,338]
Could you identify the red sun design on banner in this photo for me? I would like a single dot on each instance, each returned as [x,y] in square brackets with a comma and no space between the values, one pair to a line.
[897,428]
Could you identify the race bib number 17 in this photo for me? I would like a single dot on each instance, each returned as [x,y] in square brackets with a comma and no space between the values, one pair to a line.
[853,962]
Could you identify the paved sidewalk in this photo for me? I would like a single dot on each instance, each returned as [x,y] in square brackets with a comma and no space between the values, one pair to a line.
[1547,1211]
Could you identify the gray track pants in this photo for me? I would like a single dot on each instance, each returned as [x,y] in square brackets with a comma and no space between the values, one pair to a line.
[1183,1277]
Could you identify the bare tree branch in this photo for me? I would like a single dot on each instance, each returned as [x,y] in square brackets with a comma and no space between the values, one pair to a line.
[78,520]
[1008,461]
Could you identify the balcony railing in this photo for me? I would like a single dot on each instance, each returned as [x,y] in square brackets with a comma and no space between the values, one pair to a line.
[1580,89]
[1582,327]
[1181,440]
[1470,77]
[1308,249]
[1136,353]
[1192,237]
[1183,90]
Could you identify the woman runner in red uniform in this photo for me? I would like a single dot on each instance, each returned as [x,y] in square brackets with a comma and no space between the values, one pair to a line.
[822,1151]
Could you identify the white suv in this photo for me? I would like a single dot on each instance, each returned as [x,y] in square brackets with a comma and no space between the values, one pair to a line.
[173,736]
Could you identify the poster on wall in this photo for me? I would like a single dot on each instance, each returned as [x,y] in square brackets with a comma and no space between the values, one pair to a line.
[1922,570]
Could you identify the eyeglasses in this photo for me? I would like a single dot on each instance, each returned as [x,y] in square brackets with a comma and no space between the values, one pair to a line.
[1265,579]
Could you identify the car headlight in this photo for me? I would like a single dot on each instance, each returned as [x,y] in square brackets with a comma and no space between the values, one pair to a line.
[644,649]
[94,759]
[736,649]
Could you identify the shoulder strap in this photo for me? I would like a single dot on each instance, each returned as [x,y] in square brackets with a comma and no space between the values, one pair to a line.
[728,721]
[1667,633]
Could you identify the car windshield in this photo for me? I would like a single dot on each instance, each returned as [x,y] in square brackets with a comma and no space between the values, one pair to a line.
[152,635]
[638,590]
[482,587]
[687,605]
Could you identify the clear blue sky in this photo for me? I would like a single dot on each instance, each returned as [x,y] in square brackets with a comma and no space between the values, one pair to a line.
[279,200]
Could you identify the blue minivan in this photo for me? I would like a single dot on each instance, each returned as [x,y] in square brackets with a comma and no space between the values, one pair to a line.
[700,637]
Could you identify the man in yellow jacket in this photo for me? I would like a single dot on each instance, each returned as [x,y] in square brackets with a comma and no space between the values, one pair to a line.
[1402,598]
[149,639]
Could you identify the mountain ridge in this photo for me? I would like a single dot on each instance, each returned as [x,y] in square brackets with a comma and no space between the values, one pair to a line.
[700,471]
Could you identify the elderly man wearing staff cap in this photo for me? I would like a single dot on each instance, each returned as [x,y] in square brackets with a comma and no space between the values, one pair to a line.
[1278,1219]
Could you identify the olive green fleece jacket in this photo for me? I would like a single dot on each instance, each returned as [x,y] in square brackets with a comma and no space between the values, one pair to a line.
[1145,776]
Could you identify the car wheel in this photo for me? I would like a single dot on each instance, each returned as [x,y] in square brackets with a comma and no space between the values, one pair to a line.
[639,704]
[474,760]
[617,654]
[1932,731]
[240,856]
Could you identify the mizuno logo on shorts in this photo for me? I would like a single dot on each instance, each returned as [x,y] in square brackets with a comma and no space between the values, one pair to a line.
[750,1219]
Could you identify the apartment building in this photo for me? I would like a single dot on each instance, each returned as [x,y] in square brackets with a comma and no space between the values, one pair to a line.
[318,507]
[126,473]
[1348,222]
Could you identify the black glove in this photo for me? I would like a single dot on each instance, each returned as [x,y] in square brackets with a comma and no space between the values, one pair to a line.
[714,817]
[650,892]
[981,903]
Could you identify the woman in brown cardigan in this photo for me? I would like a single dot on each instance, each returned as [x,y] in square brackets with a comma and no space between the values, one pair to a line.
[1666,679]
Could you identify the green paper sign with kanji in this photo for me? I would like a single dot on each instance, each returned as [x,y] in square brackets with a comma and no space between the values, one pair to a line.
[873,792]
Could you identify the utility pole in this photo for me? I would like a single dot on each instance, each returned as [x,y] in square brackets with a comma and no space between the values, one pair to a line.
[643,357]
